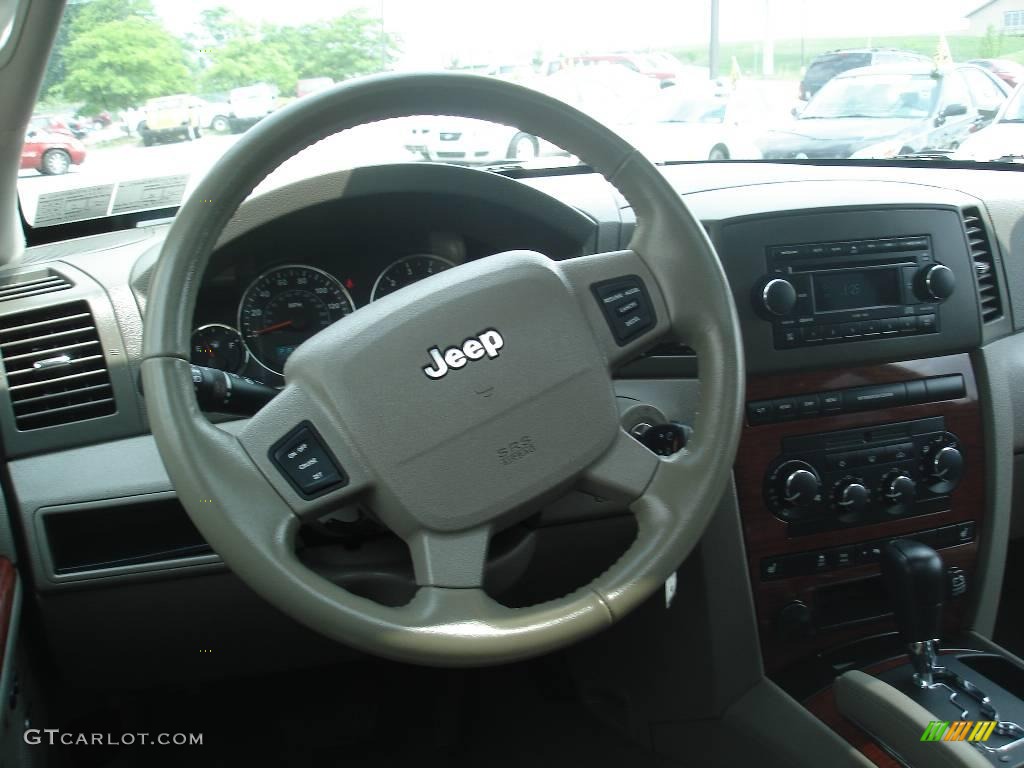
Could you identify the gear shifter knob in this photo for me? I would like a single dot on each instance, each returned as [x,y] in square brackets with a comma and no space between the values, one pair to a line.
[913,575]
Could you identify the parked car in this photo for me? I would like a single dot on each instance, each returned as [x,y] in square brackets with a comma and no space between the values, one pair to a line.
[72,126]
[250,104]
[1010,72]
[827,65]
[171,118]
[213,114]
[466,140]
[648,65]
[1003,139]
[698,124]
[306,86]
[878,112]
[52,153]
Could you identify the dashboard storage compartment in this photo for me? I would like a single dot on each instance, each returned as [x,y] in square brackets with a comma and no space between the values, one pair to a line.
[113,535]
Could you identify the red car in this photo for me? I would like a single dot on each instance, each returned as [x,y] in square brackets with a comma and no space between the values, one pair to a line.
[1010,72]
[51,153]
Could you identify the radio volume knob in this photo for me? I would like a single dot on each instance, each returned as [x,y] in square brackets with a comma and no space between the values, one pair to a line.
[778,297]
[937,283]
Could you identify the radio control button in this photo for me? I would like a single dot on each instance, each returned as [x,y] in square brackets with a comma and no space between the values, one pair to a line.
[927,323]
[870,328]
[811,333]
[907,324]
[850,330]
[787,337]
[831,332]
[888,326]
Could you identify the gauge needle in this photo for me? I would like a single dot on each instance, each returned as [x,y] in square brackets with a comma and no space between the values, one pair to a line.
[274,327]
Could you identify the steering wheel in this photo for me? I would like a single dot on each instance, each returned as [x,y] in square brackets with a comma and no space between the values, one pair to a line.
[457,406]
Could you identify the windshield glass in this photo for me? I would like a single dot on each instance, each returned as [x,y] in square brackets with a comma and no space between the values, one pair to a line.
[142,97]
[1014,112]
[877,96]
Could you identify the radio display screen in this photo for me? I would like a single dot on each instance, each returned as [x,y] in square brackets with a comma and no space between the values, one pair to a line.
[856,289]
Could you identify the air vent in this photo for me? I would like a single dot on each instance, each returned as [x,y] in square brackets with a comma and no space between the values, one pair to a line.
[56,372]
[984,265]
[32,284]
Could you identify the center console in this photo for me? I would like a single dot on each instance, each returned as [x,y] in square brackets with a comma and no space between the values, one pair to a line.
[863,429]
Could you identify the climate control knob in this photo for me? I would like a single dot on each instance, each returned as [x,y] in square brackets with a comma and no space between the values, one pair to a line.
[778,297]
[899,488]
[852,497]
[936,283]
[799,484]
[947,469]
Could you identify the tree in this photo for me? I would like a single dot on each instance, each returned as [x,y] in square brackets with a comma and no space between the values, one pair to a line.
[222,25]
[339,48]
[120,64]
[245,61]
[991,43]
[95,13]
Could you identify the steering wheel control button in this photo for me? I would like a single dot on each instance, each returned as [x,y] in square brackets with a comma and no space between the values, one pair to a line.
[626,307]
[306,463]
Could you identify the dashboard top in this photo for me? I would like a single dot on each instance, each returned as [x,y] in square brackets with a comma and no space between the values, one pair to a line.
[348,230]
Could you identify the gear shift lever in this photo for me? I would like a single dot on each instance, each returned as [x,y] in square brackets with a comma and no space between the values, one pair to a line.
[913,575]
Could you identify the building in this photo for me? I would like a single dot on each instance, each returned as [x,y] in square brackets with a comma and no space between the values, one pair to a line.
[1003,16]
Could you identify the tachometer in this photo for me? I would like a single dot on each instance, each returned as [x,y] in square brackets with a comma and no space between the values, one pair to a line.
[218,346]
[284,307]
[406,271]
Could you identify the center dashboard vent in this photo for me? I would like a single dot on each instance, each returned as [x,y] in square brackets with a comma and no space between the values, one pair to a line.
[984,265]
[56,371]
[32,284]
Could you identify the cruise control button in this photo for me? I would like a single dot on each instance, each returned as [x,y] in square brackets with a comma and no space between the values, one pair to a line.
[626,307]
[306,463]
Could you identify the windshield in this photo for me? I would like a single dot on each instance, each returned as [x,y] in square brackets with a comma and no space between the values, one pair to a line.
[1014,112]
[875,96]
[142,97]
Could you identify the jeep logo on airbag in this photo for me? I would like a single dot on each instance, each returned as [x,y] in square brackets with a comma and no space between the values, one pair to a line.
[474,348]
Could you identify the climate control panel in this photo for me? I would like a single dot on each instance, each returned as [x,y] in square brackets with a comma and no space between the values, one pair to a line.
[858,476]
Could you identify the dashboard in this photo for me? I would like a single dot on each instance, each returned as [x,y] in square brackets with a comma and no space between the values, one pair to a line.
[848,401]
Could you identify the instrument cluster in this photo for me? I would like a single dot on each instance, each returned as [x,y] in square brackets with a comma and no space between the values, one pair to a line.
[286,303]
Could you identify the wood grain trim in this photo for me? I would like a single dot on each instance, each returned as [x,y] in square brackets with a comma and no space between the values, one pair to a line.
[824,707]
[765,535]
[8,580]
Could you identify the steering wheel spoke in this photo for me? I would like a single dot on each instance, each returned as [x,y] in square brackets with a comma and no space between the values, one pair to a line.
[455,560]
[622,473]
[621,300]
[305,453]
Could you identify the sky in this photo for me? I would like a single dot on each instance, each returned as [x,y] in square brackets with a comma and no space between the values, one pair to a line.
[486,31]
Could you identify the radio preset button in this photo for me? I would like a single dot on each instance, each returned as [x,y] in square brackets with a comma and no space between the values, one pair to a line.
[927,323]
[850,330]
[907,324]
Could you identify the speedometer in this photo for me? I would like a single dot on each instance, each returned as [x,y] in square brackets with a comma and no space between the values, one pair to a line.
[406,271]
[284,307]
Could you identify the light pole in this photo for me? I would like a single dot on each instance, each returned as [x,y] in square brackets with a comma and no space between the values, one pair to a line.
[713,42]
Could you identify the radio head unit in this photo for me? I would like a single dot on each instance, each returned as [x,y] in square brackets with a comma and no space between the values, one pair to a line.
[820,293]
